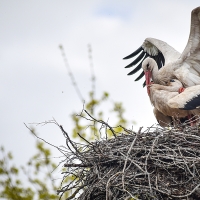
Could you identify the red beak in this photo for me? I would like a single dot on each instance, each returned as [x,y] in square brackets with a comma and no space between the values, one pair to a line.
[148,78]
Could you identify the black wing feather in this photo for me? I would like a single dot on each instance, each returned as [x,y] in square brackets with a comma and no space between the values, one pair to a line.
[134,53]
[192,104]
[144,84]
[138,67]
[160,60]
[156,58]
[138,59]
[140,76]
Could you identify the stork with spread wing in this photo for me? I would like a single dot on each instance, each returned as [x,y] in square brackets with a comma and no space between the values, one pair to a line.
[161,62]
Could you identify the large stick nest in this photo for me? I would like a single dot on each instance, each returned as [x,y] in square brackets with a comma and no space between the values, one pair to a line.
[155,164]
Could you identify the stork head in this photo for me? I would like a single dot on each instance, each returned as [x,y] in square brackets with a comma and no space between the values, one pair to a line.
[148,65]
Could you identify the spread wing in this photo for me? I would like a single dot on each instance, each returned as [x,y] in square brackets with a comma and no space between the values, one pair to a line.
[191,53]
[160,51]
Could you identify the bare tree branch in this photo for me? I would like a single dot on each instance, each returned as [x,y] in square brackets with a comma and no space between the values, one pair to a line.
[71,74]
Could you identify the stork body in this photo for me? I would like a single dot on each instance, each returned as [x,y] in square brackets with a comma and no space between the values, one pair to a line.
[161,63]
[162,119]
[170,103]
[160,96]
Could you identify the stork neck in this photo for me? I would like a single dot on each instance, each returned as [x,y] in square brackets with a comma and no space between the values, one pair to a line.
[155,74]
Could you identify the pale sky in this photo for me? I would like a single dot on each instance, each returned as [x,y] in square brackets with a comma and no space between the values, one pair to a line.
[34,84]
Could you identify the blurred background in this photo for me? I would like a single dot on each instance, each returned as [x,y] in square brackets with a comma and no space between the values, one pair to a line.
[34,82]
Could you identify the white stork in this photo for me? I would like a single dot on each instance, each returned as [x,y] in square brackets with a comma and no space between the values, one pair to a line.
[170,104]
[161,62]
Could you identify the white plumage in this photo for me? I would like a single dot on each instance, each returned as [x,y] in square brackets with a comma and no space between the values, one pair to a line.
[161,63]
[184,67]
[168,102]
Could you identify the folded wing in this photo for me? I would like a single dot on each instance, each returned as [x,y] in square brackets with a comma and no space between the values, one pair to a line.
[187,100]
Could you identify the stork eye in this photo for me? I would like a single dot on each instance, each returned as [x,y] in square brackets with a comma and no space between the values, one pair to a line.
[172,80]
[147,65]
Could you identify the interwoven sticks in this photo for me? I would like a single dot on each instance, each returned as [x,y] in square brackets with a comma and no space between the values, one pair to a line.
[154,164]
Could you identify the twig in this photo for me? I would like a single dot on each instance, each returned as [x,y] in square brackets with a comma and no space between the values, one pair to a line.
[108,184]
[84,139]
[59,149]
[71,74]
[102,122]
[76,191]
[127,158]
[155,164]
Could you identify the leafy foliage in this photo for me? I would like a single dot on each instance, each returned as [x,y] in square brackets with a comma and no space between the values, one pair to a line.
[40,184]
[11,185]
[93,105]
[38,170]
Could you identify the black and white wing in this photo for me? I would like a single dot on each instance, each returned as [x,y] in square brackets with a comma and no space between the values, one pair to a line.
[160,51]
[189,99]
